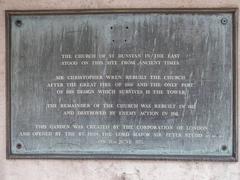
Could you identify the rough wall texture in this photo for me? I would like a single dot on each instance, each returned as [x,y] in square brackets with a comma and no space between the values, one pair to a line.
[104,169]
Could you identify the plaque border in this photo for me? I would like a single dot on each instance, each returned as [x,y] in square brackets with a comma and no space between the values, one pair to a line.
[105,156]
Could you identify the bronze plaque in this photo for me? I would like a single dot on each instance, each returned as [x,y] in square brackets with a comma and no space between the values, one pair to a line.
[145,84]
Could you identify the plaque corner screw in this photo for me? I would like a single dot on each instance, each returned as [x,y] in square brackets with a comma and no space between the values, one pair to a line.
[224,147]
[19,146]
[224,21]
[18,23]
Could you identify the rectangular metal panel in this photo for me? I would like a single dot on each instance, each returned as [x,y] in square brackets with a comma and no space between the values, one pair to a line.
[122,84]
